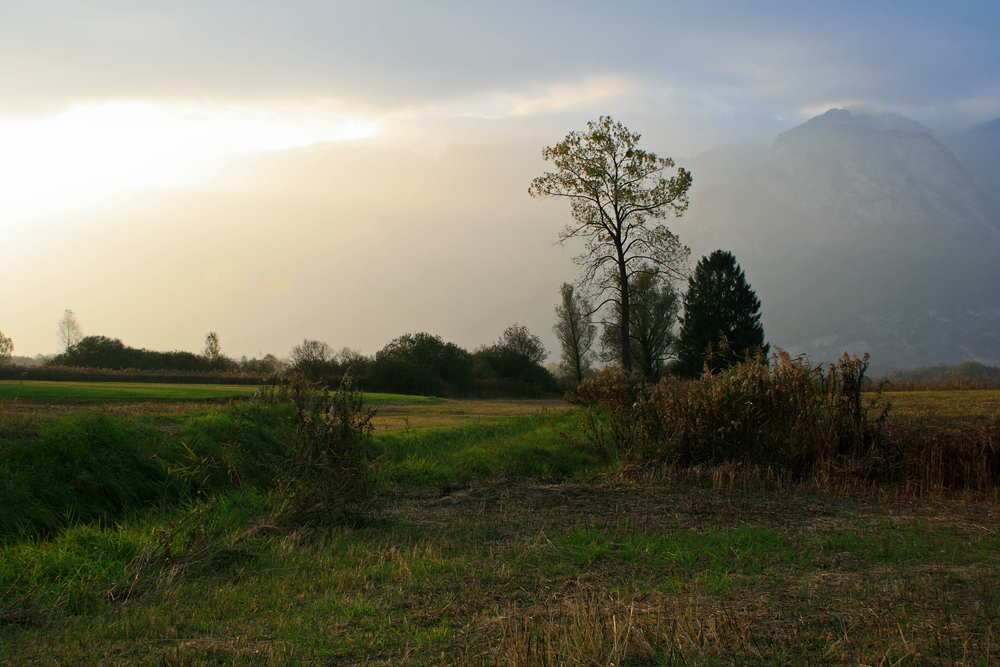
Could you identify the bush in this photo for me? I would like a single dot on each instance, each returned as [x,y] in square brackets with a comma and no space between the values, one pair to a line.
[788,416]
[327,477]
[517,357]
[400,376]
[420,364]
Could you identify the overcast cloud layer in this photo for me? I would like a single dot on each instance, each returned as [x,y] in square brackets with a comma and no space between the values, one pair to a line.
[270,137]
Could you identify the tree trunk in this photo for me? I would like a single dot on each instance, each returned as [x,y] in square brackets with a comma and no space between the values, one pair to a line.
[623,296]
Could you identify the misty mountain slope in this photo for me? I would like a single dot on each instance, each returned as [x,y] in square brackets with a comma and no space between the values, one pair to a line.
[861,233]
[978,150]
[864,170]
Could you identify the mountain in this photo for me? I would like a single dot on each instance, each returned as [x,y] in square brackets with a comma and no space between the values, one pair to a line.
[861,233]
[979,151]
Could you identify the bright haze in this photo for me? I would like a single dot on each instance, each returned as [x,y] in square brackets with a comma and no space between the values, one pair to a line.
[350,172]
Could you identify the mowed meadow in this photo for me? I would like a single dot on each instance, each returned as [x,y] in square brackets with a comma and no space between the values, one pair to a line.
[765,516]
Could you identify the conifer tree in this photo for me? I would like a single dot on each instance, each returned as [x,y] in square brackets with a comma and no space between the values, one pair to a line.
[721,323]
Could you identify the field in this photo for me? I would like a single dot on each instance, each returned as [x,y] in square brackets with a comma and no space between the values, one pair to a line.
[506,540]
[946,405]
[35,392]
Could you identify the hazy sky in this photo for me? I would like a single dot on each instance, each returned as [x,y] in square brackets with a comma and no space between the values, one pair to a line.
[355,171]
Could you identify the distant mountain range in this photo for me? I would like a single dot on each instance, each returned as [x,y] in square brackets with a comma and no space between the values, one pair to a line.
[863,233]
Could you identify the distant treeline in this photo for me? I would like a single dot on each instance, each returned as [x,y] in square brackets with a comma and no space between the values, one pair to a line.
[425,364]
[27,361]
[103,359]
[966,375]
[410,364]
[104,352]
[82,374]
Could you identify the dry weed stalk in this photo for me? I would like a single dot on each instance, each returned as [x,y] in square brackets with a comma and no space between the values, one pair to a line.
[762,425]
[327,478]
[584,629]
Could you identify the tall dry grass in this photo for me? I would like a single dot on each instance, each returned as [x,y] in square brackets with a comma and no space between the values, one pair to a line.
[327,477]
[791,421]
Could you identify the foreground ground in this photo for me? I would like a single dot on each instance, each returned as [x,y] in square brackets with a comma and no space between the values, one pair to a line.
[507,571]
[622,567]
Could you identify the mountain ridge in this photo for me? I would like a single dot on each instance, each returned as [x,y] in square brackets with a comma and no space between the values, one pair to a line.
[861,233]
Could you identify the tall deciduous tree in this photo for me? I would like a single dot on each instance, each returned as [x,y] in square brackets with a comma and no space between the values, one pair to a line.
[719,304]
[575,332]
[655,305]
[616,190]
[213,349]
[6,349]
[70,332]
[311,358]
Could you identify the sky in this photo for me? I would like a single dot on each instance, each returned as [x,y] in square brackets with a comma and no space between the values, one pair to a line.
[350,172]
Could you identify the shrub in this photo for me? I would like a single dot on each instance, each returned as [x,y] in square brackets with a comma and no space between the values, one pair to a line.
[517,356]
[420,364]
[401,376]
[327,477]
[789,415]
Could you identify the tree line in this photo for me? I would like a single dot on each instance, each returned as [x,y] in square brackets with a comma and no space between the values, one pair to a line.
[419,363]
[423,363]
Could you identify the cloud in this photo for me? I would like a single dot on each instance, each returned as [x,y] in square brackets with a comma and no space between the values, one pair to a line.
[532,100]
[96,152]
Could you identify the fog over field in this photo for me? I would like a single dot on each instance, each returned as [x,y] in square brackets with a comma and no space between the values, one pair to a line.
[353,174]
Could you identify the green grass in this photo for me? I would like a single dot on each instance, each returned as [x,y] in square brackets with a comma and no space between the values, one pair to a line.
[102,465]
[89,468]
[106,392]
[96,392]
[543,444]
[657,576]
[718,550]
[93,466]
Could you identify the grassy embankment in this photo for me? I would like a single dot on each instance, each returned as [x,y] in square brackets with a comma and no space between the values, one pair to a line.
[564,562]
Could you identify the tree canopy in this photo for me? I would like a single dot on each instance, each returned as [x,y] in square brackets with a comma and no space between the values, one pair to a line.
[421,364]
[721,315]
[517,355]
[69,330]
[616,190]
[311,359]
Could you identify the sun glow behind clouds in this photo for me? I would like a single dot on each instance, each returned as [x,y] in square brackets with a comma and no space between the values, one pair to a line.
[92,154]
